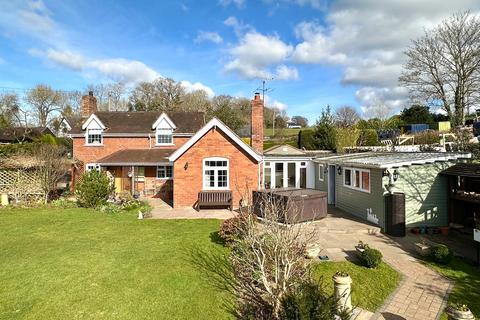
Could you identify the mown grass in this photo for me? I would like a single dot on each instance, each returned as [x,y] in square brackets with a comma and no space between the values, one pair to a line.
[467,283]
[370,287]
[81,264]
[286,132]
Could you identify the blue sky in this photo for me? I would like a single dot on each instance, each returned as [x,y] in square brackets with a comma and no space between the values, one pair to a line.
[318,52]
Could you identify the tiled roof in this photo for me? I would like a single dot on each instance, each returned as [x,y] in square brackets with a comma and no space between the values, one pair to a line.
[141,122]
[137,157]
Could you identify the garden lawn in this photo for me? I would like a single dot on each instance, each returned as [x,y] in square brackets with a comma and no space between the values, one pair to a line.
[370,287]
[82,264]
[467,284]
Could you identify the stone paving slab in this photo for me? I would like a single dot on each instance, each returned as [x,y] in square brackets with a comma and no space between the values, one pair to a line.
[422,294]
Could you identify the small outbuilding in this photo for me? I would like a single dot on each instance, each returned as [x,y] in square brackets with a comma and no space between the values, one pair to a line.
[392,190]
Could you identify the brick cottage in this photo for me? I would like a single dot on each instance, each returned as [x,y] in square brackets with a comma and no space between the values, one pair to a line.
[168,155]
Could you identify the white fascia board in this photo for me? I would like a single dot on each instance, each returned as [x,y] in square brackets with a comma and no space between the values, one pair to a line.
[200,133]
[93,117]
[165,117]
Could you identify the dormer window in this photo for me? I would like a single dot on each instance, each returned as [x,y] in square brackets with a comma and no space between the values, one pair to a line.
[93,131]
[164,128]
[94,137]
[164,136]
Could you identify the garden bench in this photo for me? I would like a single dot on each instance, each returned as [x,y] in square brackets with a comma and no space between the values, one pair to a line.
[215,198]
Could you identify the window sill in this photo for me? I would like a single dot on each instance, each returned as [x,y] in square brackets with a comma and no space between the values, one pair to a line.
[164,144]
[93,145]
[216,189]
[164,178]
[356,189]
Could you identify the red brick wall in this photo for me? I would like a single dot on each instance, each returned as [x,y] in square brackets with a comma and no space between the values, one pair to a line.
[257,124]
[188,182]
[89,154]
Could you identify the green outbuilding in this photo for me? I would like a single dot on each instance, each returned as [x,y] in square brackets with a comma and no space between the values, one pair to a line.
[362,184]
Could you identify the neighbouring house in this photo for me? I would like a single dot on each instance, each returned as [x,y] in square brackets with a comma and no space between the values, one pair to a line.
[22,134]
[172,156]
[360,183]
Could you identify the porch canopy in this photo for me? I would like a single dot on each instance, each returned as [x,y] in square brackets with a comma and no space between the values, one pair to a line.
[137,157]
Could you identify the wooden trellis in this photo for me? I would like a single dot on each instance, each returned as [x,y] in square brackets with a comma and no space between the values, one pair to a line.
[21,184]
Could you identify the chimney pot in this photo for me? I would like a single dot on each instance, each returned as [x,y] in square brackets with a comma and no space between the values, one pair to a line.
[90,93]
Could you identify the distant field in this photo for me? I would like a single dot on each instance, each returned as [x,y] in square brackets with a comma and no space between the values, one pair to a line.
[286,132]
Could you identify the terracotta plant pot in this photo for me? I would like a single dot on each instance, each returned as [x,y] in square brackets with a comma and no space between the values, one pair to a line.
[416,230]
[444,230]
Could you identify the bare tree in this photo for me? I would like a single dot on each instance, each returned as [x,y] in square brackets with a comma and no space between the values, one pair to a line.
[163,94]
[196,101]
[110,96]
[268,258]
[52,165]
[346,117]
[9,109]
[45,103]
[443,66]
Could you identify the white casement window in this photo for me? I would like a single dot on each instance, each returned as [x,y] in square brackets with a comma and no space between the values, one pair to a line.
[140,174]
[94,137]
[215,174]
[164,137]
[321,172]
[358,179]
[92,166]
[165,172]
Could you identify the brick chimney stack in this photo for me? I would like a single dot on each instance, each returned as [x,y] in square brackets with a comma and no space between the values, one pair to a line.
[88,104]
[257,124]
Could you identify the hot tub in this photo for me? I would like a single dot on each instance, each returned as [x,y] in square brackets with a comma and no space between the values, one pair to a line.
[293,205]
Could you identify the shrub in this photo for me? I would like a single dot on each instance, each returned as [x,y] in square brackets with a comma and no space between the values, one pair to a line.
[441,254]
[93,189]
[63,203]
[427,137]
[346,138]
[371,258]
[109,208]
[230,229]
[309,301]
[368,137]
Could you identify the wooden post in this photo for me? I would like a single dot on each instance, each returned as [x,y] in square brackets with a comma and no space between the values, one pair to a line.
[133,180]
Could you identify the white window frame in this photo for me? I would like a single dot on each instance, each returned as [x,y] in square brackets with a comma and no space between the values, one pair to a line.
[164,132]
[205,185]
[352,179]
[92,166]
[321,172]
[97,132]
[164,168]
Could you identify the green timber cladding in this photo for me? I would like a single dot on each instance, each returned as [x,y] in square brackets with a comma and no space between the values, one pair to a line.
[426,193]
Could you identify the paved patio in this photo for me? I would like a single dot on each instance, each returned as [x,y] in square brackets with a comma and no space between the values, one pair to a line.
[162,210]
[422,293]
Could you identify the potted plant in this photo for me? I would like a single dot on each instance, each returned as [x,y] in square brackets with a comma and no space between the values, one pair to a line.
[459,312]
[360,247]
[423,248]
[444,230]
[416,230]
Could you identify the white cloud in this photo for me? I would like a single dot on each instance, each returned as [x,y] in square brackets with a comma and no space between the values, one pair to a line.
[208,36]
[238,27]
[284,72]
[238,3]
[190,87]
[118,69]
[367,38]
[255,53]
[272,103]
